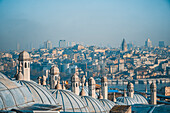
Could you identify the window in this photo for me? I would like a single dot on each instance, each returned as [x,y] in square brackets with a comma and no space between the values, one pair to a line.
[25,65]
[28,65]
[76,84]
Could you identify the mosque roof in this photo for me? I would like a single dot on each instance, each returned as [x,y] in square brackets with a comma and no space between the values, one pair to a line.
[70,101]
[93,104]
[140,99]
[107,104]
[127,100]
[39,93]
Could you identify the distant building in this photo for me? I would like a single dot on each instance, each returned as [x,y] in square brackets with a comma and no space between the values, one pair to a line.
[62,43]
[161,44]
[48,45]
[124,45]
[148,43]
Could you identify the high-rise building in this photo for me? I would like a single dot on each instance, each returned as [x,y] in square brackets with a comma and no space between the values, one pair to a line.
[48,45]
[148,43]
[161,44]
[62,43]
[124,45]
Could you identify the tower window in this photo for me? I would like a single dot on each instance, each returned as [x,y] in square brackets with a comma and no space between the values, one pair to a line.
[25,65]
[76,84]
[28,65]
[105,84]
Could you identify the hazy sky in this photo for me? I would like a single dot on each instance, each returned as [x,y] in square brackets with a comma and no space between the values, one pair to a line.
[98,22]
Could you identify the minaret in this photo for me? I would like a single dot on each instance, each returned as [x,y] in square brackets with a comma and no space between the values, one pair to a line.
[104,86]
[54,76]
[130,89]
[63,86]
[75,82]
[19,76]
[44,80]
[92,87]
[153,93]
[24,61]
[100,95]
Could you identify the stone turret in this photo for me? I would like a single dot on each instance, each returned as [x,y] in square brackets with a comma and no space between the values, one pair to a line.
[153,93]
[24,62]
[75,82]
[104,86]
[92,87]
[130,89]
[54,76]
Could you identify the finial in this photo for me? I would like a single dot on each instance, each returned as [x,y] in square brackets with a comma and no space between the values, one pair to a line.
[39,80]
[20,75]
[44,80]
[82,93]
[58,86]
[63,86]
[125,93]
[100,95]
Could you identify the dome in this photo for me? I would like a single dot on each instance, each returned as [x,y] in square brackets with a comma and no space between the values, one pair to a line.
[70,102]
[140,99]
[3,76]
[39,93]
[13,95]
[120,103]
[127,100]
[93,104]
[54,70]
[107,104]
[24,56]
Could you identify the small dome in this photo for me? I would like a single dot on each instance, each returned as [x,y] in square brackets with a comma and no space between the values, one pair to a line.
[13,95]
[24,56]
[140,99]
[39,93]
[127,100]
[54,70]
[91,81]
[104,79]
[107,104]
[93,104]
[70,102]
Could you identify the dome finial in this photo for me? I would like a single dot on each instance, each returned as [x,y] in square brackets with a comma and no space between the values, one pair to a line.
[63,86]
[20,75]
[82,93]
[58,86]
[44,80]
[100,95]
[39,80]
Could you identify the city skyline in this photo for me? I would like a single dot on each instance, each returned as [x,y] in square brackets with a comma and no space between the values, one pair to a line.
[91,22]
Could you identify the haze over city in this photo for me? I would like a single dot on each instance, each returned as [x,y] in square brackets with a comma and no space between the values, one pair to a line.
[93,22]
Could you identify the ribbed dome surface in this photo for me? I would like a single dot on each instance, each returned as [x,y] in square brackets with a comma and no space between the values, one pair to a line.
[127,100]
[3,76]
[39,93]
[140,99]
[94,105]
[107,104]
[13,95]
[70,102]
